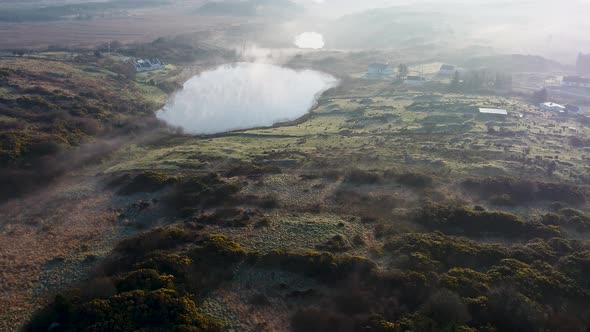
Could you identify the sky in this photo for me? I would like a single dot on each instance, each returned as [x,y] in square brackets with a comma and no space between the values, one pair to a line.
[339,7]
[554,29]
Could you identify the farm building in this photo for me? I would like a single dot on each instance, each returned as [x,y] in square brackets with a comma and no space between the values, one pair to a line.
[377,70]
[492,112]
[447,70]
[553,107]
[575,82]
[143,65]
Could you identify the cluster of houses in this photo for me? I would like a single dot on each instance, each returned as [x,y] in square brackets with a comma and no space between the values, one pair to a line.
[553,107]
[575,82]
[549,106]
[143,65]
[385,71]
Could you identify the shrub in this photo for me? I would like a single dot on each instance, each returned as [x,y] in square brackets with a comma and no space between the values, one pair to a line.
[146,279]
[252,171]
[449,251]
[217,250]
[162,309]
[229,217]
[336,243]
[376,323]
[320,320]
[414,179]
[462,220]
[360,177]
[149,181]
[527,191]
[469,221]
[166,262]
[502,200]
[512,311]
[138,309]
[538,281]
[466,282]
[156,239]
[192,193]
[324,266]
[446,308]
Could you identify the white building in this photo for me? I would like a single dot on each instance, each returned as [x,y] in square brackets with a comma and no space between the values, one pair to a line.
[552,107]
[493,111]
[142,65]
[575,82]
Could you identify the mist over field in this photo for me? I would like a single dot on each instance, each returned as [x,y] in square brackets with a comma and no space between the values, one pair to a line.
[295,165]
[244,95]
[555,29]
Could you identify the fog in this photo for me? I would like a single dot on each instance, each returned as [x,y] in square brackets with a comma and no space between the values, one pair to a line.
[556,30]
[244,95]
[311,40]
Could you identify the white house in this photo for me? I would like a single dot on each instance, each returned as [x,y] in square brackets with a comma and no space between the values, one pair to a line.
[142,65]
[575,82]
[492,111]
[553,107]
[447,70]
[379,70]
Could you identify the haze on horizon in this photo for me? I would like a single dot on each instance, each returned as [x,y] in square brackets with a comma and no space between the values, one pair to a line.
[557,30]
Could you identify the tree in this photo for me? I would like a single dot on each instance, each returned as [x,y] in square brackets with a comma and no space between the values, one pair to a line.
[402,70]
[455,83]
[540,96]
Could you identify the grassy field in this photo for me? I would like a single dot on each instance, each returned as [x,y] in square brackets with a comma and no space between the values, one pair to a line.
[397,131]
[411,148]
[379,211]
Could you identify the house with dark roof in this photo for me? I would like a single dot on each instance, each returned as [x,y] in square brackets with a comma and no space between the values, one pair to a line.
[447,70]
[415,80]
[143,65]
[575,82]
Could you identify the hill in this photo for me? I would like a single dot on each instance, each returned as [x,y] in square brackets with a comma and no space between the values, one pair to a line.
[515,63]
[85,10]
[281,8]
[47,107]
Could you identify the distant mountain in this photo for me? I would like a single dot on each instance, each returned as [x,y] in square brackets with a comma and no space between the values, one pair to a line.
[387,28]
[514,63]
[280,8]
[83,10]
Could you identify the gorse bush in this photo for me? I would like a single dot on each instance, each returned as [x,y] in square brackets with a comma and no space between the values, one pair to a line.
[438,283]
[526,191]
[149,181]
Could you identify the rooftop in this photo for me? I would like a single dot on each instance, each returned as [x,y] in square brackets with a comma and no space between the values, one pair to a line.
[551,104]
[495,111]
